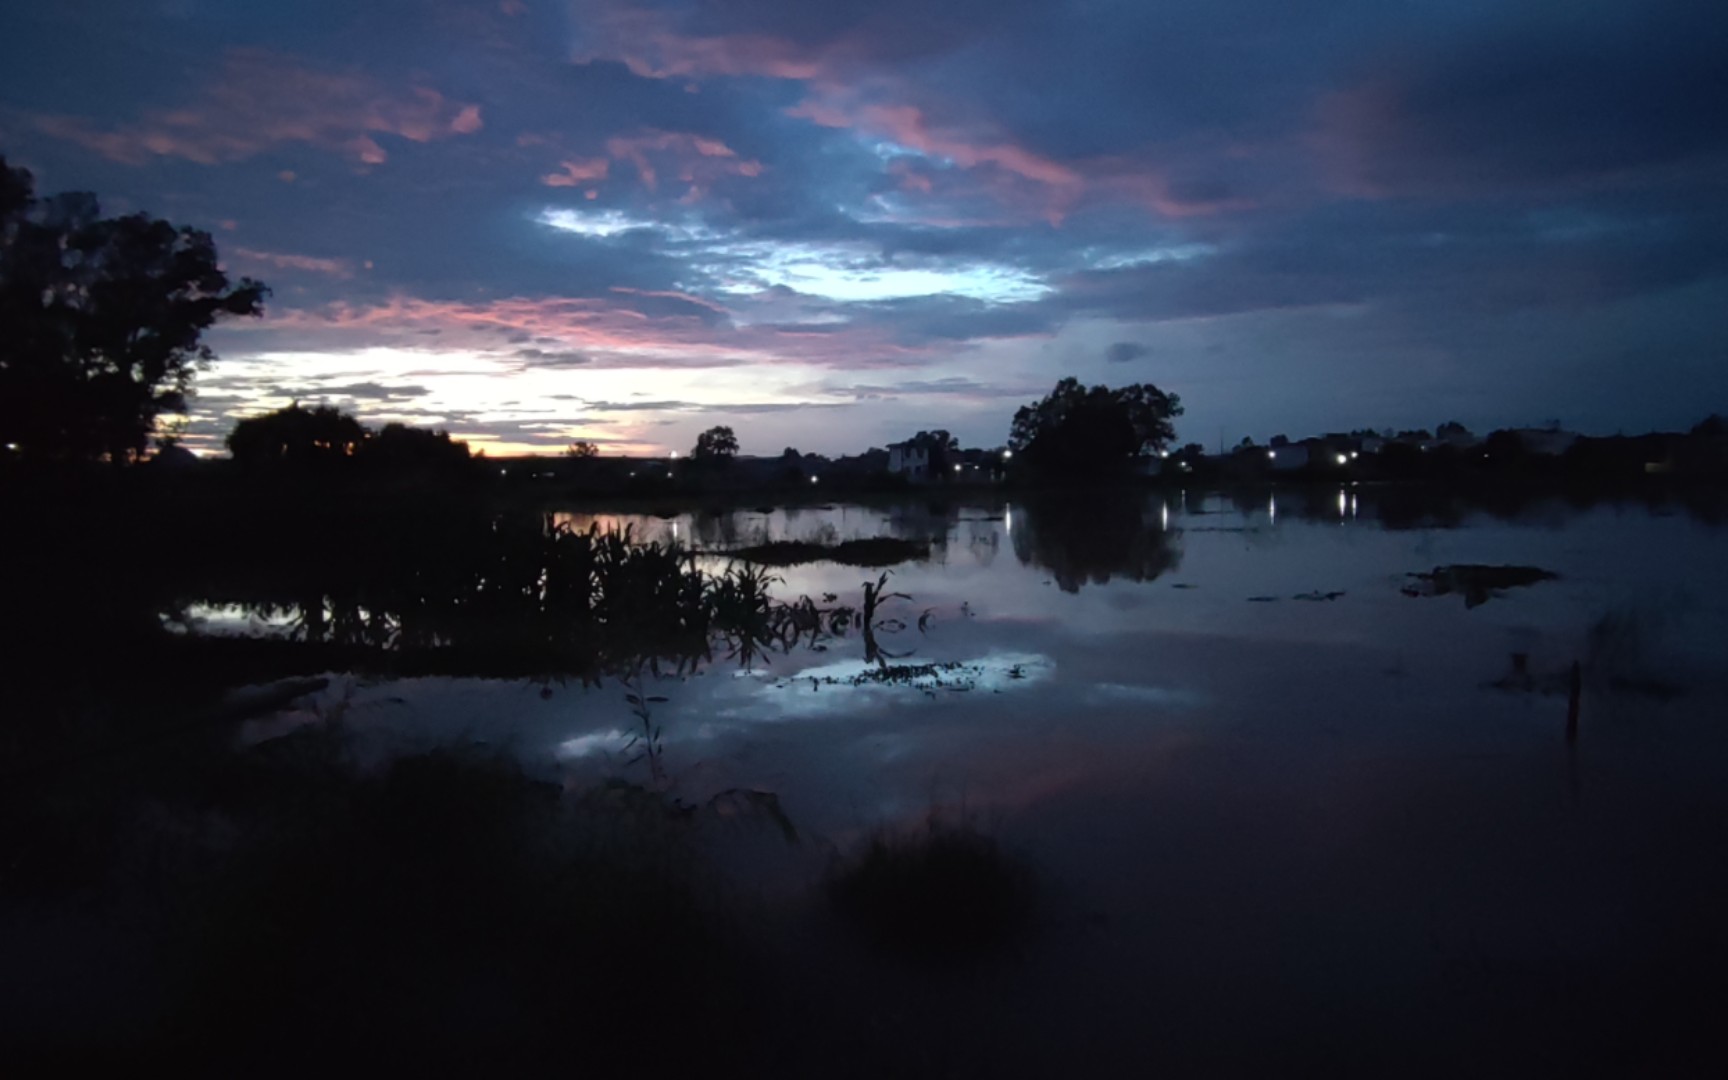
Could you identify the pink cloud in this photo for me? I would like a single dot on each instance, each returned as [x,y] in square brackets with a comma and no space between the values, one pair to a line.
[618,331]
[698,160]
[258,100]
[467,121]
[673,294]
[578,171]
[651,45]
[646,44]
[1059,186]
[910,179]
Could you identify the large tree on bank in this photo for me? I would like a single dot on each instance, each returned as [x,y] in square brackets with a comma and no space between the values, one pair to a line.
[1076,429]
[101,322]
[716,444]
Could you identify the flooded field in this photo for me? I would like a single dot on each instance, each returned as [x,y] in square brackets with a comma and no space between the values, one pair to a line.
[1343,781]
[1296,780]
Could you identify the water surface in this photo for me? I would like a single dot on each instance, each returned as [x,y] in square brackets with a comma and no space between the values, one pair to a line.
[1269,792]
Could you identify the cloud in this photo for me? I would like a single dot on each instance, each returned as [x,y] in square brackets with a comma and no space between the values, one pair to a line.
[1622,99]
[578,172]
[907,126]
[621,331]
[258,100]
[369,391]
[953,385]
[916,208]
[553,359]
[697,160]
[336,268]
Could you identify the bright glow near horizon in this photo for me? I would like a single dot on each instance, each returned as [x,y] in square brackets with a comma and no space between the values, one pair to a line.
[849,273]
[462,392]
[857,273]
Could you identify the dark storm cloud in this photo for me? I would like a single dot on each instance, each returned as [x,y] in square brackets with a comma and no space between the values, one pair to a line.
[1629,97]
[972,196]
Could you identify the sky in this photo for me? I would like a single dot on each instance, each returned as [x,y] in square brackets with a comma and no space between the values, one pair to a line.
[830,225]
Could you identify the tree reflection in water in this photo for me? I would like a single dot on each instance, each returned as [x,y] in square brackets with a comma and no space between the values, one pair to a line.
[1095,540]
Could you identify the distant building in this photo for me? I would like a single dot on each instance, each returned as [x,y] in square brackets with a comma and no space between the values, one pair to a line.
[1289,457]
[909,460]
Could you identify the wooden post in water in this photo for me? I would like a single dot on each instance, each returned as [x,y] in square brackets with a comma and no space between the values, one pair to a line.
[1574,691]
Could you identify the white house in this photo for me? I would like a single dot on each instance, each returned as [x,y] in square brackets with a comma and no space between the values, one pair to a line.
[909,460]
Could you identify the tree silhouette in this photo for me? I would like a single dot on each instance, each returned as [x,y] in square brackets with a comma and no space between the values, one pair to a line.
[400,447]
[943,448]
[715,444]
[582,448]
[1076,429]
[298,437]
[103,322]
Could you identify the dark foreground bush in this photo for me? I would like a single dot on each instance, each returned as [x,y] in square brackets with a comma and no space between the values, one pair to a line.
[446,911]
[947,893]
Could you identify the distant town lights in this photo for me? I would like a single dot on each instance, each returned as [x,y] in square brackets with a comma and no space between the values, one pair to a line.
[812,479]
[1342,459]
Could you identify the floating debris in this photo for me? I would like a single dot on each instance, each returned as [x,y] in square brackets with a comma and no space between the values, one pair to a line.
[929,678]
[1262,599]
[1317,595]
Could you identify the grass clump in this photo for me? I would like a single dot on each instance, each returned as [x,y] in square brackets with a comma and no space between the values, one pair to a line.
[946,893]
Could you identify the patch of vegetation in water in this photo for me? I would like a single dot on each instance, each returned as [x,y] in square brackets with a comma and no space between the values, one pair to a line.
[876,551]
[942,675]
[944,894]
[1475,582]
